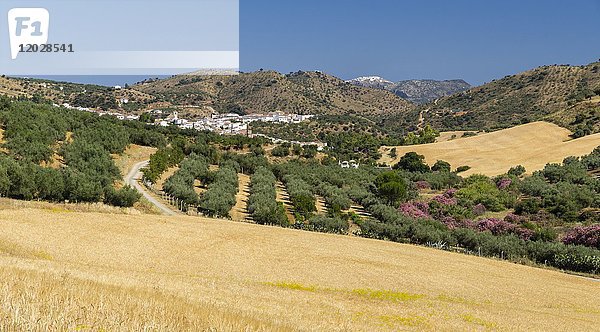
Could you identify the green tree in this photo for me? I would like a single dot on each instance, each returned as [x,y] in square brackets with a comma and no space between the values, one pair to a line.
[441,166]
[392,187]
[517,171]
[413,162]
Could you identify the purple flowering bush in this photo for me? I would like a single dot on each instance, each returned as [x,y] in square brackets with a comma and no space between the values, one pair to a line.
[421,185]
[514,218]
[504,183]
[584,235]
[453,223]
[502,227]
[448,198]
[414,209]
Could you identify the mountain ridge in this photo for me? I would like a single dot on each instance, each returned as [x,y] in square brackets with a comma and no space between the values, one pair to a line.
[418,91]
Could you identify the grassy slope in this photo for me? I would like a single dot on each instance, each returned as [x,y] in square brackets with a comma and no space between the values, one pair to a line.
[532,145]
[184,272]
[548,92]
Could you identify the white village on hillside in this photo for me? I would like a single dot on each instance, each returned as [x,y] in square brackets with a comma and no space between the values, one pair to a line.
[222,124]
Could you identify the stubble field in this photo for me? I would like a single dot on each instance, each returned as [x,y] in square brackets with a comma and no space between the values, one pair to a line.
[91,271]
[532,145]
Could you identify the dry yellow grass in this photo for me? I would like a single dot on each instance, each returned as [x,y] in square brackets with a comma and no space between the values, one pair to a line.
[239,212]
[182,273]
[532,145]
[165,176]
[451,135]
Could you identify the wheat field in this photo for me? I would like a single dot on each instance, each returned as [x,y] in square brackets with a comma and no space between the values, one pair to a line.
[64,270]
[532,145]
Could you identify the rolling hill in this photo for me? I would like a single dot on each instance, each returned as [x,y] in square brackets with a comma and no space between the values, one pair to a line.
[82,95]
[562,94]
[89,271]
[532,145]
[268,91]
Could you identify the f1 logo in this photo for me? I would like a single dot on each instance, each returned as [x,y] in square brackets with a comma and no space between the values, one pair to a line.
[27,26]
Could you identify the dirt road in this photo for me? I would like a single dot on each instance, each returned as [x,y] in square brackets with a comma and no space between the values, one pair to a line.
[132,179]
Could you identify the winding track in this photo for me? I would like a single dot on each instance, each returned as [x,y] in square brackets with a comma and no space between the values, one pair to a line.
[132,179]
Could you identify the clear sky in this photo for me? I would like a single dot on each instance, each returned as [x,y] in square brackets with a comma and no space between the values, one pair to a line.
[476,40]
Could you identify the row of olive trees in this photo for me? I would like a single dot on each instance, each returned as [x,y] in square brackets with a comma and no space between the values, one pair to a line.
[301,195]
[335,198]
[160,161]
[181,184]
[218,200]
[262,204]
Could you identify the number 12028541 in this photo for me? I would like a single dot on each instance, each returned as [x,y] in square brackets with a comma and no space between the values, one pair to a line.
[46,48]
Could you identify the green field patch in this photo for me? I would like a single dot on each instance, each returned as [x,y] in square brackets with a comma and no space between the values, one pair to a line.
[293,286]
[478,321]
[387,295]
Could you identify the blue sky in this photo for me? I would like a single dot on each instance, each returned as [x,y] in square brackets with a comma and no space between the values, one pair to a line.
[474,40]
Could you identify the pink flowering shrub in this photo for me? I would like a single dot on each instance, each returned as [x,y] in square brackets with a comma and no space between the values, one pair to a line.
[495,226]
[417,210]
[448,198]
[524,233]
[502,227]
[584,235]
[514,218]
[453,223]
[504,183]
[422,185]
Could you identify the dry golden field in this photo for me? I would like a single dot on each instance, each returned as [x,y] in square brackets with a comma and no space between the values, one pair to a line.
[532,145]
[89,271]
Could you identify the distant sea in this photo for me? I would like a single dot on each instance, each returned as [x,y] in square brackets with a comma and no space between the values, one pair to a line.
[105,80]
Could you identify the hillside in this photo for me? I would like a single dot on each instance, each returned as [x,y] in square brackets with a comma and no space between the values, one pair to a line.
[184,273]
[561,94]
[268,91]
[81,95]
[416,91]
[532,145]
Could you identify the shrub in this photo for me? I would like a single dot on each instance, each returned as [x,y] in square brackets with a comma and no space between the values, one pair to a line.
[328,225]
[517,171]
[441,166]
[462,169]
[124,197]
[280,151]
[417,210]
[481,190]
[584,235]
